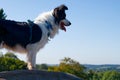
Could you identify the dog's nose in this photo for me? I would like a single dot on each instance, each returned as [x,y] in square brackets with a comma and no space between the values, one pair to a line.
[69,23]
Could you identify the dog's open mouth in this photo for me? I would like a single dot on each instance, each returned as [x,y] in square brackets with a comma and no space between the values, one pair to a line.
[63,26]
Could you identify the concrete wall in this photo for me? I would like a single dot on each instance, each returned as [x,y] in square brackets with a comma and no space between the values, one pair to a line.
[35,75]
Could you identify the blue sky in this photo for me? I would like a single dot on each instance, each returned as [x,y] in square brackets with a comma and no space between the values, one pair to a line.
[93,37]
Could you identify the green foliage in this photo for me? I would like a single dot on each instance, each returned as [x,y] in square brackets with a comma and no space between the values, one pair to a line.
[42,67]
[9,61]
[2,14]
[7,64]
[71,66]
[107,75]
[113,75]
[10,55]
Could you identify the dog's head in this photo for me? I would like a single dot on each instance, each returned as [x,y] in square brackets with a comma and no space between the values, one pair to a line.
[60,17]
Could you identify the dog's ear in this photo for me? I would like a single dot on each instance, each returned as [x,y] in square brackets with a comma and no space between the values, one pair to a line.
[59,13]
[55,13]
[63,7]
[59,10]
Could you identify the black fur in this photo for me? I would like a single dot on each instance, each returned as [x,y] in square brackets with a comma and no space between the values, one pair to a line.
[12,33]
[59,13]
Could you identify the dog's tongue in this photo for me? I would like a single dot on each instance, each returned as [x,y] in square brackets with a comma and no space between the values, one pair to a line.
[63,26]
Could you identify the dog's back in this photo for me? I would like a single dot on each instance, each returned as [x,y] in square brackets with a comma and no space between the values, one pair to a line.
[13,32]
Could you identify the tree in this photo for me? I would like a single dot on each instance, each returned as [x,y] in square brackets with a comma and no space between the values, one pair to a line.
[10,55]
[71,66]
[90,74]
[104,75]
[9,62]
[2,14]
[111,75]
[42,67]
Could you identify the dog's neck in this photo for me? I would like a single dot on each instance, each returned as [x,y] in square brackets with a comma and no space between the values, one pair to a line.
[47,19]
[48,27]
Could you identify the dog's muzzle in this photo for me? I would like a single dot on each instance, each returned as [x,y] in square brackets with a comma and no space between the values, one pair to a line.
[64,23]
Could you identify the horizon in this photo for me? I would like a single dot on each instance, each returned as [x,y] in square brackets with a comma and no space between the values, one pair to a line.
[93,37]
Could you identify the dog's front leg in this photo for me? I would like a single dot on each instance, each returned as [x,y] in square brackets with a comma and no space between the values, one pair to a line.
[31,60]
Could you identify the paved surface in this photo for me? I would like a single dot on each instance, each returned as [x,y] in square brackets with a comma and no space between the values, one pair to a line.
[35,75]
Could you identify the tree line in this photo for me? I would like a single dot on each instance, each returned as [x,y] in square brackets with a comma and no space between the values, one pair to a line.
[71,66]
[10,61]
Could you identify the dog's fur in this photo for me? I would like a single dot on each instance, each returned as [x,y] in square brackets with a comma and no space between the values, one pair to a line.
[31,37]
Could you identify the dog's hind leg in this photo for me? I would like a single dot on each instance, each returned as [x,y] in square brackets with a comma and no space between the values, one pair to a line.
[31,60]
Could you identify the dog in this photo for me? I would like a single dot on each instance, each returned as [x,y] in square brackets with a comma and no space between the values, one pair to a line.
[29,37]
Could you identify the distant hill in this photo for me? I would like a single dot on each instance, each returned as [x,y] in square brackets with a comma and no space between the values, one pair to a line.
[103,67]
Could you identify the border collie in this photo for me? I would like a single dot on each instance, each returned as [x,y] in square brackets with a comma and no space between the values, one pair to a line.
[29,37]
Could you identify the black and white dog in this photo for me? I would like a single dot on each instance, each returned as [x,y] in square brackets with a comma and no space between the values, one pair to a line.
[29,37]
